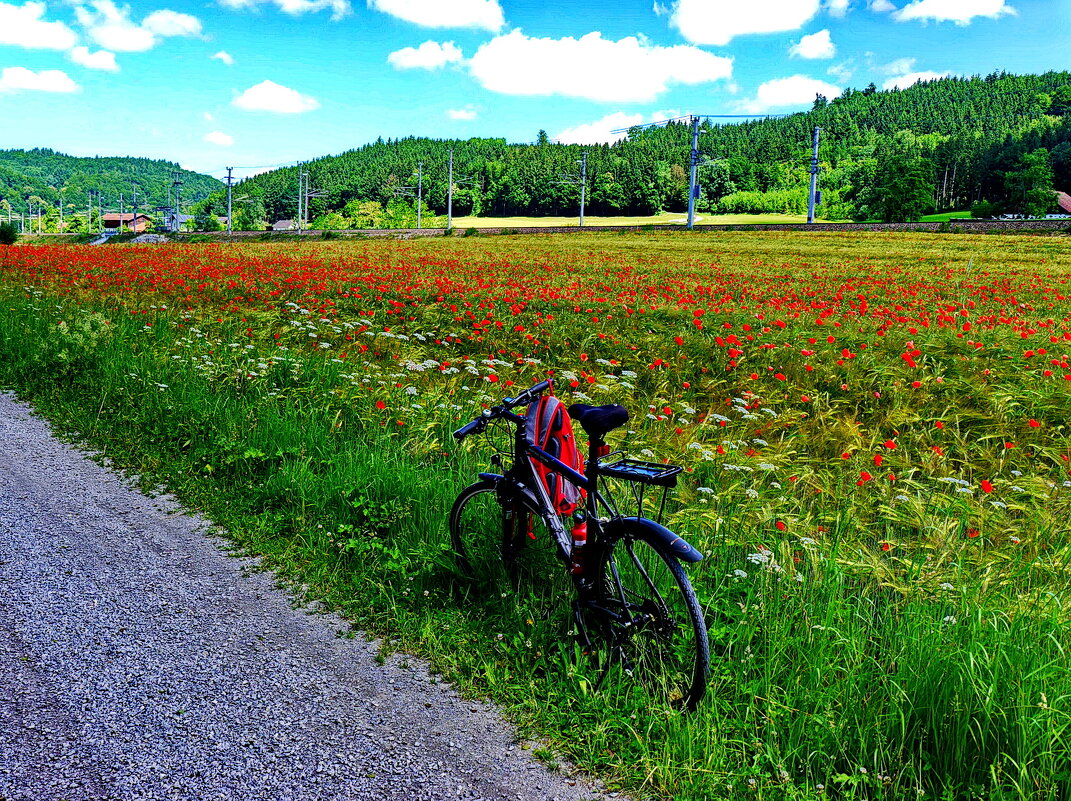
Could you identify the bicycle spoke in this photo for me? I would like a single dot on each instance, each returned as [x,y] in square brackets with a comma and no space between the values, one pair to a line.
[647,598]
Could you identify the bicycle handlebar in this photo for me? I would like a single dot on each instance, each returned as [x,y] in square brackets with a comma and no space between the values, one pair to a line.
[523,399]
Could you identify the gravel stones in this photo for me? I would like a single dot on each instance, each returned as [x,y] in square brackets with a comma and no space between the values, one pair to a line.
[140,661]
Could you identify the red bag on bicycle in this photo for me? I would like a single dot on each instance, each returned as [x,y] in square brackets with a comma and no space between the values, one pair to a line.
[549,427]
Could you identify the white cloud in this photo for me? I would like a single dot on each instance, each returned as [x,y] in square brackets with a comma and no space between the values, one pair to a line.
[208,116]
[838,8]
[23,26]
[270,96]
[816,45]
[716,22]
[960,12]
[224,56]
[14,79]
[912,78]
[219,138]
[339,8]
[629,70]
[112,28]
[898,67]
[172,23]
[599,132]
[483,14]
[881,6]
[797,90]
[843,71]
[467,113]
[429,56]
[100,60]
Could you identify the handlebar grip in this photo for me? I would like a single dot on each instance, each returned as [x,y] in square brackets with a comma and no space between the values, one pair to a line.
[469,428]
[527,396]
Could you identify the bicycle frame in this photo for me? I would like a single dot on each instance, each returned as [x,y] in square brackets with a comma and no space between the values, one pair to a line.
[530,490]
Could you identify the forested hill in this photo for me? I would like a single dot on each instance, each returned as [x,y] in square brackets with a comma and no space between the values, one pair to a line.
[943,144]
[44,177]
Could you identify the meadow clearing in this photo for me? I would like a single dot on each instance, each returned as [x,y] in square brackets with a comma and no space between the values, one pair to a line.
[874,429]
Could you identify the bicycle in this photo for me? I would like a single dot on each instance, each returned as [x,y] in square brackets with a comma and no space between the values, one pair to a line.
[632,595]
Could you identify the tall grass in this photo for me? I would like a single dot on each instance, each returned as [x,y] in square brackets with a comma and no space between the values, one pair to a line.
[839,669]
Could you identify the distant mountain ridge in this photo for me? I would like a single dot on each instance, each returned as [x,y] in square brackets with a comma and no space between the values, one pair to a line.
[51,176]
[949,143]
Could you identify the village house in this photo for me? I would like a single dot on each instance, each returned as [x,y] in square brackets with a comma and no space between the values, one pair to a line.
[127,223]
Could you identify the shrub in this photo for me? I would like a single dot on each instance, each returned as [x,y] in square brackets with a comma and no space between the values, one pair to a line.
[984,210]
[780,201]
[9,233]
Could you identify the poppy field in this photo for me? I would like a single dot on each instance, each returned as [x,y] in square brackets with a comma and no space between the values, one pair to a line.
[874,431]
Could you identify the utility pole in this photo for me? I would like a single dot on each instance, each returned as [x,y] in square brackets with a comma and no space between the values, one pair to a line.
[693,188]
[89,211]
[122,213]
[176,184]
[583,183]
[230,181]
[61,214]
[450,193]
[812,199]
[300,195]
[419,190]
[134,210]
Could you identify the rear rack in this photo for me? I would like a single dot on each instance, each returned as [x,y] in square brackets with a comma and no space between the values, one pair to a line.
[659,475]
[640,475]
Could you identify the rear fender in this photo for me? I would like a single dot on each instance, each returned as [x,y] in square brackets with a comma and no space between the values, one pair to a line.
[643,528]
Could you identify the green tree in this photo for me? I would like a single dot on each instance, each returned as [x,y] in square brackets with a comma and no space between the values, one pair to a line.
[332,221]
[249,209]
[907,191]
[361,213]
[1061,100]
[1029,185]
[9,233]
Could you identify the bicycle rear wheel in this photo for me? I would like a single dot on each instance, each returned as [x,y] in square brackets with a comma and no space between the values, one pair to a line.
[650,620]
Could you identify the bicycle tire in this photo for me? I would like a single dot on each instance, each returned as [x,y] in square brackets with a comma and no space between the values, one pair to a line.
[477,532]
[521,553]
[659,635]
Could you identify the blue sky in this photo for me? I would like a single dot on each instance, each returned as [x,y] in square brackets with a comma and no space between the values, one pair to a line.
[258,83]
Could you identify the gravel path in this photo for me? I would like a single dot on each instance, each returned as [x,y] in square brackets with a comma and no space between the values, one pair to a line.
[139,661]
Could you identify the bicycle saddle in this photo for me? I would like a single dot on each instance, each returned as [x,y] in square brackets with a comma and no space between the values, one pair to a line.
[599,420]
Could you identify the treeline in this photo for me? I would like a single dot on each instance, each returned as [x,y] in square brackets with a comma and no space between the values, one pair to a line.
[41,180]
[998,143]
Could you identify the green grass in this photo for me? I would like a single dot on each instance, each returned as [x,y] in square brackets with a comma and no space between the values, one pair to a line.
[656,219]
[839,670]
[946,216]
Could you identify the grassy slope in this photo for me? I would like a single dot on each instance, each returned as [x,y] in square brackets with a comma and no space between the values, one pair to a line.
[813,682]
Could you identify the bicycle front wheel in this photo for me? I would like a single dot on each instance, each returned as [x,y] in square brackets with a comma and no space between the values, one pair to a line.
[651,621]
[479,533]
[506,547]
